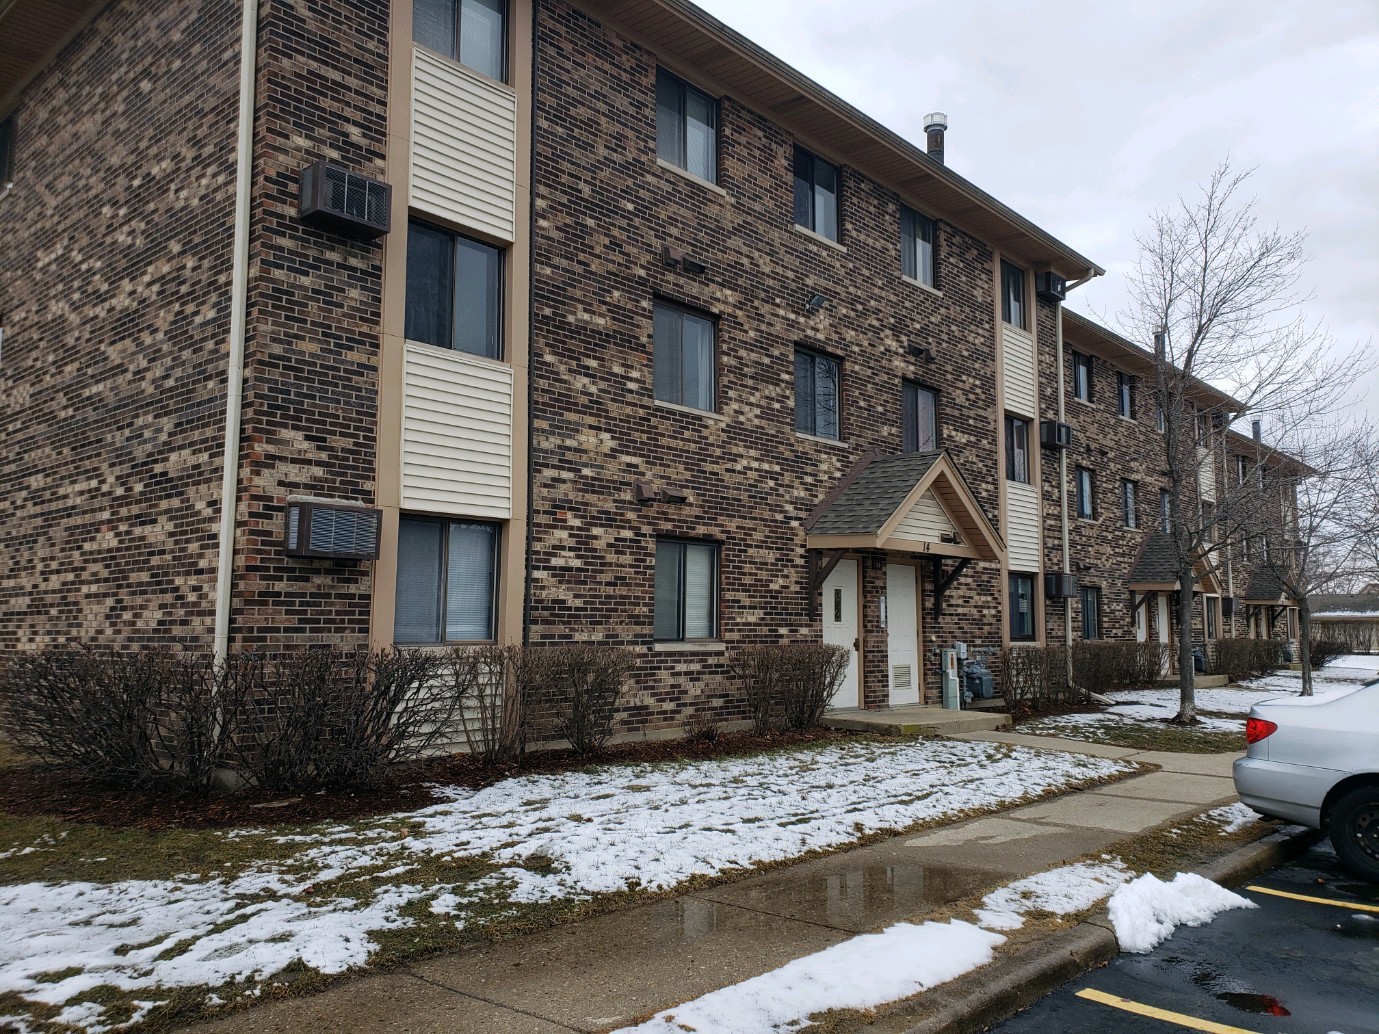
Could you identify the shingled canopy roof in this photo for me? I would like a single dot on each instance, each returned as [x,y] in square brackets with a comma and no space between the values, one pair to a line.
[886,501]
[1265,587]
[1156,568]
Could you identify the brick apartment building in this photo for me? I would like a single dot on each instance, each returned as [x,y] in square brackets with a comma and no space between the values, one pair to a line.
[653,342]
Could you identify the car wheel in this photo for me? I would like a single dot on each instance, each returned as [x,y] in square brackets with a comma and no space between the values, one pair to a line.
[1355,831]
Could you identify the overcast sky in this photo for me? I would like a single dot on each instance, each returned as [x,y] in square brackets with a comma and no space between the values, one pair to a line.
[1084,117]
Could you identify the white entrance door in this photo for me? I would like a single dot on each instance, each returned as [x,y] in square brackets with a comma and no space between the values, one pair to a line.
[902,634]
[1163,632]
[840,627]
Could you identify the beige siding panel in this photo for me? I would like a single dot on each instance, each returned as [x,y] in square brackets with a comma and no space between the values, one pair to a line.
[1021,397]
[926,522]
[1206,475]
[1022,527]
[464,147]
[456,434]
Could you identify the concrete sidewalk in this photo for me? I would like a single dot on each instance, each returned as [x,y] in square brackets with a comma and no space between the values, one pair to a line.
[604,972]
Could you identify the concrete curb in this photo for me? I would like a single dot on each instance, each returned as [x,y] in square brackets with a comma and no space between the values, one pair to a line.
[988,995]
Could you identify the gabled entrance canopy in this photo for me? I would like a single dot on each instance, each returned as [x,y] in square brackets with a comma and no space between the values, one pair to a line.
[916,502]
[1156,570]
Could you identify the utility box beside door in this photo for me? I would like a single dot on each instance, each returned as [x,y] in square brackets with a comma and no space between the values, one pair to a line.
[948,674]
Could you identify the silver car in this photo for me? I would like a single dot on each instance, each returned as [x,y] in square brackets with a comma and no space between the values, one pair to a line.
[1315,761]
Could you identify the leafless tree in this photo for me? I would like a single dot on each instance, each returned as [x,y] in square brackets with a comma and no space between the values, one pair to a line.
[1220,297]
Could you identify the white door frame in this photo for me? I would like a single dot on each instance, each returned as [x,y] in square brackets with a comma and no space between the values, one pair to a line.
[848,570]
[909,637]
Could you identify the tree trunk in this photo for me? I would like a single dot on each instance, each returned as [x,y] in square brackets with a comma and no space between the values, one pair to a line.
[1305,645]
[1187,685]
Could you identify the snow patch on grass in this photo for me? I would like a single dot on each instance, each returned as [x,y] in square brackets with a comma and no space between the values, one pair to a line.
[1231,817]
[1062,891]
[1146,911]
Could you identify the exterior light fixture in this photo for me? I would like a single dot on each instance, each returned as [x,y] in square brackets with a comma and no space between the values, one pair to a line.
[815,303]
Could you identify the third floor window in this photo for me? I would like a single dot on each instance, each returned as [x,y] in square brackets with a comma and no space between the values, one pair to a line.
[1125,395]
[1013,295]
[919,417]
[472,32]
[684,357]
[818,389]
[1017,449]
[454,291]
[917,246]
[686,127]
[816,194]
[1082,377]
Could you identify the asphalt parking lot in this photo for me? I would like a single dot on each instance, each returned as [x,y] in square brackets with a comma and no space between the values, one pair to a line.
[1306,960]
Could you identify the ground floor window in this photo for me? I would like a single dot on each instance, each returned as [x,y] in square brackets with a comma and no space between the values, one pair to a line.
[686,589]
[1213,611]
[1091,612]
[446,581]
[1021,607]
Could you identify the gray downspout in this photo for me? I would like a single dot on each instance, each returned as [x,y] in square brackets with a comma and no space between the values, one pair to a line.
[1063,491]
[239,291]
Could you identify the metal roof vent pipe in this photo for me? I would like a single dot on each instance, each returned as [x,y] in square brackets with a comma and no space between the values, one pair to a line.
[935,123]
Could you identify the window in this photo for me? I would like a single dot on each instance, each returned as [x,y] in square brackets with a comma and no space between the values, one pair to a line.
[686,127]
[1017,449]
[1013,295]
[1245,547]
[454,290]
[7,135]
[816,194]
[686,576]
[818,390]
[1091,612]
[919,417]
[1165,511]
[472,32]
[1241,470]
[917,246]
[1208,522]
[1127,495]
[1213,612]
[1203,426]
[1021,607]
[684,357]
[1086,501]
[1160,419]
[446,581]
[1125,395]
[1082,377]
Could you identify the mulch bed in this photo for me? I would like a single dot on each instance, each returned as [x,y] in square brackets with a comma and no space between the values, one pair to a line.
[36,790]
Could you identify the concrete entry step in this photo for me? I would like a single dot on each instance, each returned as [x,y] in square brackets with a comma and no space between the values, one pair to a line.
[916,720]
[1199,682]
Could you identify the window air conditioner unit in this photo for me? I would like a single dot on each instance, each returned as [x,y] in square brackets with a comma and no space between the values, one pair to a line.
[345,202]
[1053,435]
[1227,606]
[331,530]
[1058,586]
[1050,287]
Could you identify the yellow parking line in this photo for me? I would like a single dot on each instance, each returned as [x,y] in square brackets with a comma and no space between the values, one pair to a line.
[1140,1009]
[1353,906]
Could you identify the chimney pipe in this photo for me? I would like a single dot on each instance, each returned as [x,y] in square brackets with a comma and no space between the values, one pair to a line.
[934,125]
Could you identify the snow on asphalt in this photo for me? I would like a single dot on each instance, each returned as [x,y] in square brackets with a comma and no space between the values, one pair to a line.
[1146,911]
[605,829]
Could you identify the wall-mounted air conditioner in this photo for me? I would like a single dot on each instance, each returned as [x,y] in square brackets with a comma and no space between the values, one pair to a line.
[1227,606]
[332,530]
[345,202]
[1050,287]
[1059,586]
[1053,435]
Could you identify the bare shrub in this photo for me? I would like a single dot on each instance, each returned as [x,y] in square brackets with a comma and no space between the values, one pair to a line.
[328,717]
[702,727]
[581,683]
[811,673]
[1033,678]
[1105,667]
[1247,658]
[760,670]
[1322,652]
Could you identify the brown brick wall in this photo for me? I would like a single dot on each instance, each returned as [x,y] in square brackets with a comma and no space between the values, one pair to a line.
[311,376]
[604,209]
[115,249]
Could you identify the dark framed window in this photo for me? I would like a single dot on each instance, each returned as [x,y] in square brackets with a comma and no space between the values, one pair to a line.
[684,366]
[1245,547]
[1082,377]
[1013,295]
[454,291]
[917,246]
[472,32]
[686,590]
[1208,521]
[816,194]
[1165,511]
[818,394]
[1203,426]
[1160,419]
[1212,609]
[447,581]
[1125,395]
[919,417]
[1242,467]
[1017,449]
[1086,495]
[8,133]
[1021,607]
[1127,495]
[686,126]
[1091,611]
